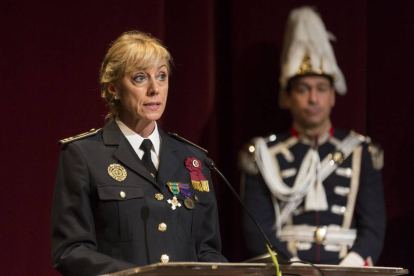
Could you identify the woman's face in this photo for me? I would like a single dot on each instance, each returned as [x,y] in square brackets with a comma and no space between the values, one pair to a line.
[143,93]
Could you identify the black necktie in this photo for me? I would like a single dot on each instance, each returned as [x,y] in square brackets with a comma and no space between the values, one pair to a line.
[146,159]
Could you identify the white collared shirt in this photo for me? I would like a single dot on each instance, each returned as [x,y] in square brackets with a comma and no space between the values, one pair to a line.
[136,140]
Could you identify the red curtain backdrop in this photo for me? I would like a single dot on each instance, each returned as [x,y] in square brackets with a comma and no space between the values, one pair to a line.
[223,92]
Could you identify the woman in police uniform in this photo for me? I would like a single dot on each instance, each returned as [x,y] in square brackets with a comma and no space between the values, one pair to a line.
[128,194]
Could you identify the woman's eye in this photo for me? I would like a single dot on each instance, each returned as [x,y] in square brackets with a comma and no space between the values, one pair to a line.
[162,76]
[139,78]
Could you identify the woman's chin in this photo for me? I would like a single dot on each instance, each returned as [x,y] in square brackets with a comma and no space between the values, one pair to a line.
[152,117]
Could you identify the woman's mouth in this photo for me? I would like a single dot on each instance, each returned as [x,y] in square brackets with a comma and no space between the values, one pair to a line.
[152,105]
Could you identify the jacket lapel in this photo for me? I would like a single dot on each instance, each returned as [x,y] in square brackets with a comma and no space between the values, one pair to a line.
[112,135]
[169,162]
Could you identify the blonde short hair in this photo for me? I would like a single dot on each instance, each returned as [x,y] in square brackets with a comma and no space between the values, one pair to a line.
[131,51]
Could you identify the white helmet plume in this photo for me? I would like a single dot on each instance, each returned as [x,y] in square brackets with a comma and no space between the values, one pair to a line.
[307,50]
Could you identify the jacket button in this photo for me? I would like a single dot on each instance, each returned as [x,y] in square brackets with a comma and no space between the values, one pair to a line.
[162,227]
[122,194]
[165,258]
[159,197]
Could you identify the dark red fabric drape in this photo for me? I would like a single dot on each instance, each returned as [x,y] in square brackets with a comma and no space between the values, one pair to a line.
[223,92]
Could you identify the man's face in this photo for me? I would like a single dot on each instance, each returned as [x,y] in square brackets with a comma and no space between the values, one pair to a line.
[310,101]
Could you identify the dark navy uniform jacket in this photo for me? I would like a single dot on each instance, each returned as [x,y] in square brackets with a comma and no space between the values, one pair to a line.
[95,230]
[368,216]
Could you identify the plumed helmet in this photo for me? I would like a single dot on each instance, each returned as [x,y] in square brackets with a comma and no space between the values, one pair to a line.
[307,49]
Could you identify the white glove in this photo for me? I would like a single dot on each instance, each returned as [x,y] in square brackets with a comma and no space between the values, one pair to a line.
[352,259]
[295,259]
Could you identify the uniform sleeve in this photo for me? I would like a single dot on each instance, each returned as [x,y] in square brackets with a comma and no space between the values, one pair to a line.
[208,241]
[73,241]
[369,211]
[258,200]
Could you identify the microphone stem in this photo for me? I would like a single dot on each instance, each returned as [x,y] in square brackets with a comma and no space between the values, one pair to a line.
[242,203]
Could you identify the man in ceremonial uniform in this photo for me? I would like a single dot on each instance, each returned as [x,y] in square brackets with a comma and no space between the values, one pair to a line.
[316,190]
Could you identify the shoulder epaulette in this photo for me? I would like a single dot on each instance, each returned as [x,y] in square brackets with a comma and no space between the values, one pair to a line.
[359,136]
[79,136]
[375,150]
[377,155]
[178,137]
[247,160]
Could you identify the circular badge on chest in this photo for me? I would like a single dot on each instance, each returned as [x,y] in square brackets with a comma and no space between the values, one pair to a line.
[117,172]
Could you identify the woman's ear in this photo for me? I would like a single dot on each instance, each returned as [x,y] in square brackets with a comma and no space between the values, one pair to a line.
[112,89]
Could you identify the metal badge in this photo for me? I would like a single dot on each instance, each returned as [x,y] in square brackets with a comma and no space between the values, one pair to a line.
[117,172]
[189,204]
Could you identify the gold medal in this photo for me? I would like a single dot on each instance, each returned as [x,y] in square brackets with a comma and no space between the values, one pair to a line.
[117,172]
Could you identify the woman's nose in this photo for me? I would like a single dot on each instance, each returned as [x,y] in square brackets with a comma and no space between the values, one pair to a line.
[153,88]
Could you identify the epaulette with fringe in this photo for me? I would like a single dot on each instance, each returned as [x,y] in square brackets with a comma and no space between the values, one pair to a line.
[247,158]
[377,155]
[375,150]
[78,137]
[178,137]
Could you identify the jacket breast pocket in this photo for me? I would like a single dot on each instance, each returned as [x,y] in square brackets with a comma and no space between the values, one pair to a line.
[123,210]
[189,222]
